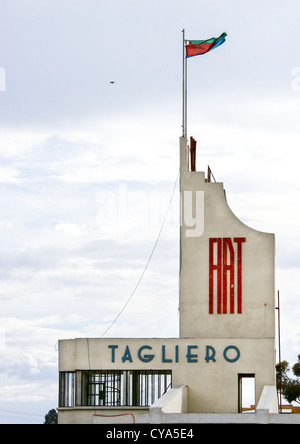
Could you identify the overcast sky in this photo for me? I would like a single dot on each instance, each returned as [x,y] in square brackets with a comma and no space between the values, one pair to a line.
[87,168]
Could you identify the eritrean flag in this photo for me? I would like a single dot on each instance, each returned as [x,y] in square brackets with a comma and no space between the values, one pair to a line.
[197,47]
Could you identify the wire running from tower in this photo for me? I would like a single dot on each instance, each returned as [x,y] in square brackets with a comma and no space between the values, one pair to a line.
[148,262]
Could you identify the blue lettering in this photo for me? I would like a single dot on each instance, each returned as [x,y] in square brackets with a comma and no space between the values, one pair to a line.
[113,347]
[127,355]
[163,352]
[191,357]
[145,358]
[231,353]
[233,347]
[210,357]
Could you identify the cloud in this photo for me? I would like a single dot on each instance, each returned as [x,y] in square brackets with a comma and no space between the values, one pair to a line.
[87,168]
[9,175]
[71,229]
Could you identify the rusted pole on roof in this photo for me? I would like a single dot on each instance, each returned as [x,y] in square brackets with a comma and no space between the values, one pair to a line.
[279,350]
[193,153]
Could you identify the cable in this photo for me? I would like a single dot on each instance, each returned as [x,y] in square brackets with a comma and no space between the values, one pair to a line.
[21,413]
[5,415]
[150,257]
[18,420]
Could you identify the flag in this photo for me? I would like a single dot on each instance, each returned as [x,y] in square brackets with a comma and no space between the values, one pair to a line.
[197,47]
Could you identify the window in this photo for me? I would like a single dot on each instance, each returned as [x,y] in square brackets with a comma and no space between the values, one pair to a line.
[102,388]
[125,388]
[66,389]
[113,387]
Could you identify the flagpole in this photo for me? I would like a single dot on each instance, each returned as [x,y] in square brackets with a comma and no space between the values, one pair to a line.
[183,84]
[185,62]
[184,87]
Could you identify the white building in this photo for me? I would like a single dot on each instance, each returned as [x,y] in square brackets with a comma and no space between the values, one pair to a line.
[227,331]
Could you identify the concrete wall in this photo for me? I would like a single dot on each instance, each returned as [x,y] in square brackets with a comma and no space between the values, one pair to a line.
[199,364]
[107,415]
[207,217]
[257,319]
[170,409]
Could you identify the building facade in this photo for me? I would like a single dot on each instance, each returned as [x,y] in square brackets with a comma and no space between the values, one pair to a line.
[226,323]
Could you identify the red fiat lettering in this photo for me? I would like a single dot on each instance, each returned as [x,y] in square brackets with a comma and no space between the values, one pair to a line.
[229,270]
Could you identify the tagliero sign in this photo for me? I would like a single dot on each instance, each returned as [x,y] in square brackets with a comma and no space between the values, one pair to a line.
[231,353]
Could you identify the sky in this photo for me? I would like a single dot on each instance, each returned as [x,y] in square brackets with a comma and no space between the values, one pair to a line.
[88,168]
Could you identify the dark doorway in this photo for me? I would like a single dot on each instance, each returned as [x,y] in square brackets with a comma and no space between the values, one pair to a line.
[246,393]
